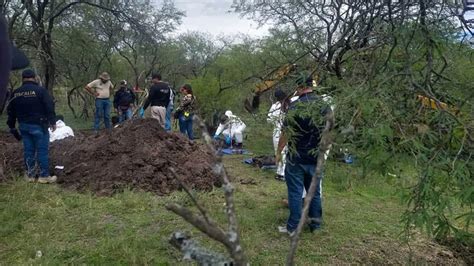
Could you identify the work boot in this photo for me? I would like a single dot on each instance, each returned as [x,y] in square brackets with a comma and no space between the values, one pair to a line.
[314,224]
[29,179]
[280,178]
[47,180]
[284,230]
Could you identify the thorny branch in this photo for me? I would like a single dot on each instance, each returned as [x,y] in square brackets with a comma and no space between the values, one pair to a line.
[324,145]
[230,238]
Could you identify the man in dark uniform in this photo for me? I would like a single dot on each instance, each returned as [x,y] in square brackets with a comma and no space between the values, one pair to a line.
[158,99]
[33,107]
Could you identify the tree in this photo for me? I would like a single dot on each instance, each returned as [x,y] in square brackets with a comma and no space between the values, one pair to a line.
[40,20]
[375,58]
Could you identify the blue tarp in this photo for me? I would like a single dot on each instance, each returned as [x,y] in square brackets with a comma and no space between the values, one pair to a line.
[229,151]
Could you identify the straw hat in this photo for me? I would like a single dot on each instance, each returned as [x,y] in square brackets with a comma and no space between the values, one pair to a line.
[104,76]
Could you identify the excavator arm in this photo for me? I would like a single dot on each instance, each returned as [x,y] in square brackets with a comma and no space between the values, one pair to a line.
[272,79]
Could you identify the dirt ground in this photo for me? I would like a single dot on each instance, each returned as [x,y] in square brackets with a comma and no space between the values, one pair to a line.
[138,155]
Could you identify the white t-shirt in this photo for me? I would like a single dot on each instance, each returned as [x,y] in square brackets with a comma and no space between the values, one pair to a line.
[102,88]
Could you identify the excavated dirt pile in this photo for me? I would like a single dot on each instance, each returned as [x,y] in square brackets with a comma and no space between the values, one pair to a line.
[138,155]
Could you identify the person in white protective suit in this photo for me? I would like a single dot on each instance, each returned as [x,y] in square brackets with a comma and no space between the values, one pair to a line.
[275,116]
[231,127]
[62,131]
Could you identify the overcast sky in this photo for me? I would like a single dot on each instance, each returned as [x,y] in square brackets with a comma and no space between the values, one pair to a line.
[213,16]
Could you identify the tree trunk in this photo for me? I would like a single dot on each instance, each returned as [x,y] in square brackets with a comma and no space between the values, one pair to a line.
[47,60]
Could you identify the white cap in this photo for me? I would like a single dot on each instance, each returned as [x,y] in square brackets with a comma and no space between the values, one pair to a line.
[228,113]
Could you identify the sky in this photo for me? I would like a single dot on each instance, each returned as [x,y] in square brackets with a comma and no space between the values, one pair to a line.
[214,17]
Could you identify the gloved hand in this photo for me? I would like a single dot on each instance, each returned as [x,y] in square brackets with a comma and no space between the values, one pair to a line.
[15,133]
[216,137]
[228,140]
[141,112]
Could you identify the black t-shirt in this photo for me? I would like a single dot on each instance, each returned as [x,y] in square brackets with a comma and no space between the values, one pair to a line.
[159,95]
[303,129]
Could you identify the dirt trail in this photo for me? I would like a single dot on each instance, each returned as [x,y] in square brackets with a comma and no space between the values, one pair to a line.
[138,155]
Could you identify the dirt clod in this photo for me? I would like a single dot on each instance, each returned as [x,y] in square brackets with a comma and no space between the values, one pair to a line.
[138,155]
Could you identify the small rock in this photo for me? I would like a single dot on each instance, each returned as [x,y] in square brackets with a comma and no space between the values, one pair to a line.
[446,253]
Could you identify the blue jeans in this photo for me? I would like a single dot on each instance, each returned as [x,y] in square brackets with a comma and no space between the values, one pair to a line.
[297,177]
[186,125]
[125,114]
[102,109]
[35,148]
[169,110]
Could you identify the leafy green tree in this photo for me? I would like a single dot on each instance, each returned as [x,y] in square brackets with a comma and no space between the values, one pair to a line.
[375,58]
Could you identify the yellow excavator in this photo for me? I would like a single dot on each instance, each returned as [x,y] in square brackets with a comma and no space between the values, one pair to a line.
[428,102]
[272,80]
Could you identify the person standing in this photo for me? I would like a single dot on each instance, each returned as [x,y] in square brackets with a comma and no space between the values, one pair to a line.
[158,99]
[33,107]
[275,116]
[169,110]
[301,162]
[185,111]
[101,89]
[124,100]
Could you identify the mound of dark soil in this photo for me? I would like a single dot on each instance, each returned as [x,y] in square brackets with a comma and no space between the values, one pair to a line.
[138,155]
[11,155]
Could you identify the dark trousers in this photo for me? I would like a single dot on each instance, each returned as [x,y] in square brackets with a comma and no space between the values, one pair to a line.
[298,177]
[36,147]
[186,125]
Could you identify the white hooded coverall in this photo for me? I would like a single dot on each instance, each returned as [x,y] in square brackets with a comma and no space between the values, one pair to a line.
[276,116]
[62,131]
[234,127]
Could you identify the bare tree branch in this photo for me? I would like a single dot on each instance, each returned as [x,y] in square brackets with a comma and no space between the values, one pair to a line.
[229,238]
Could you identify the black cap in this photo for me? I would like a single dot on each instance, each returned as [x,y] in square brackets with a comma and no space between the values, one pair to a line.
[28,73]
[280,95]
[156,76]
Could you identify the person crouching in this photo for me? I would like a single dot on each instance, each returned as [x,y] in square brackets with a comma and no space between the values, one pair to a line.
[62,131]
[232,127]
